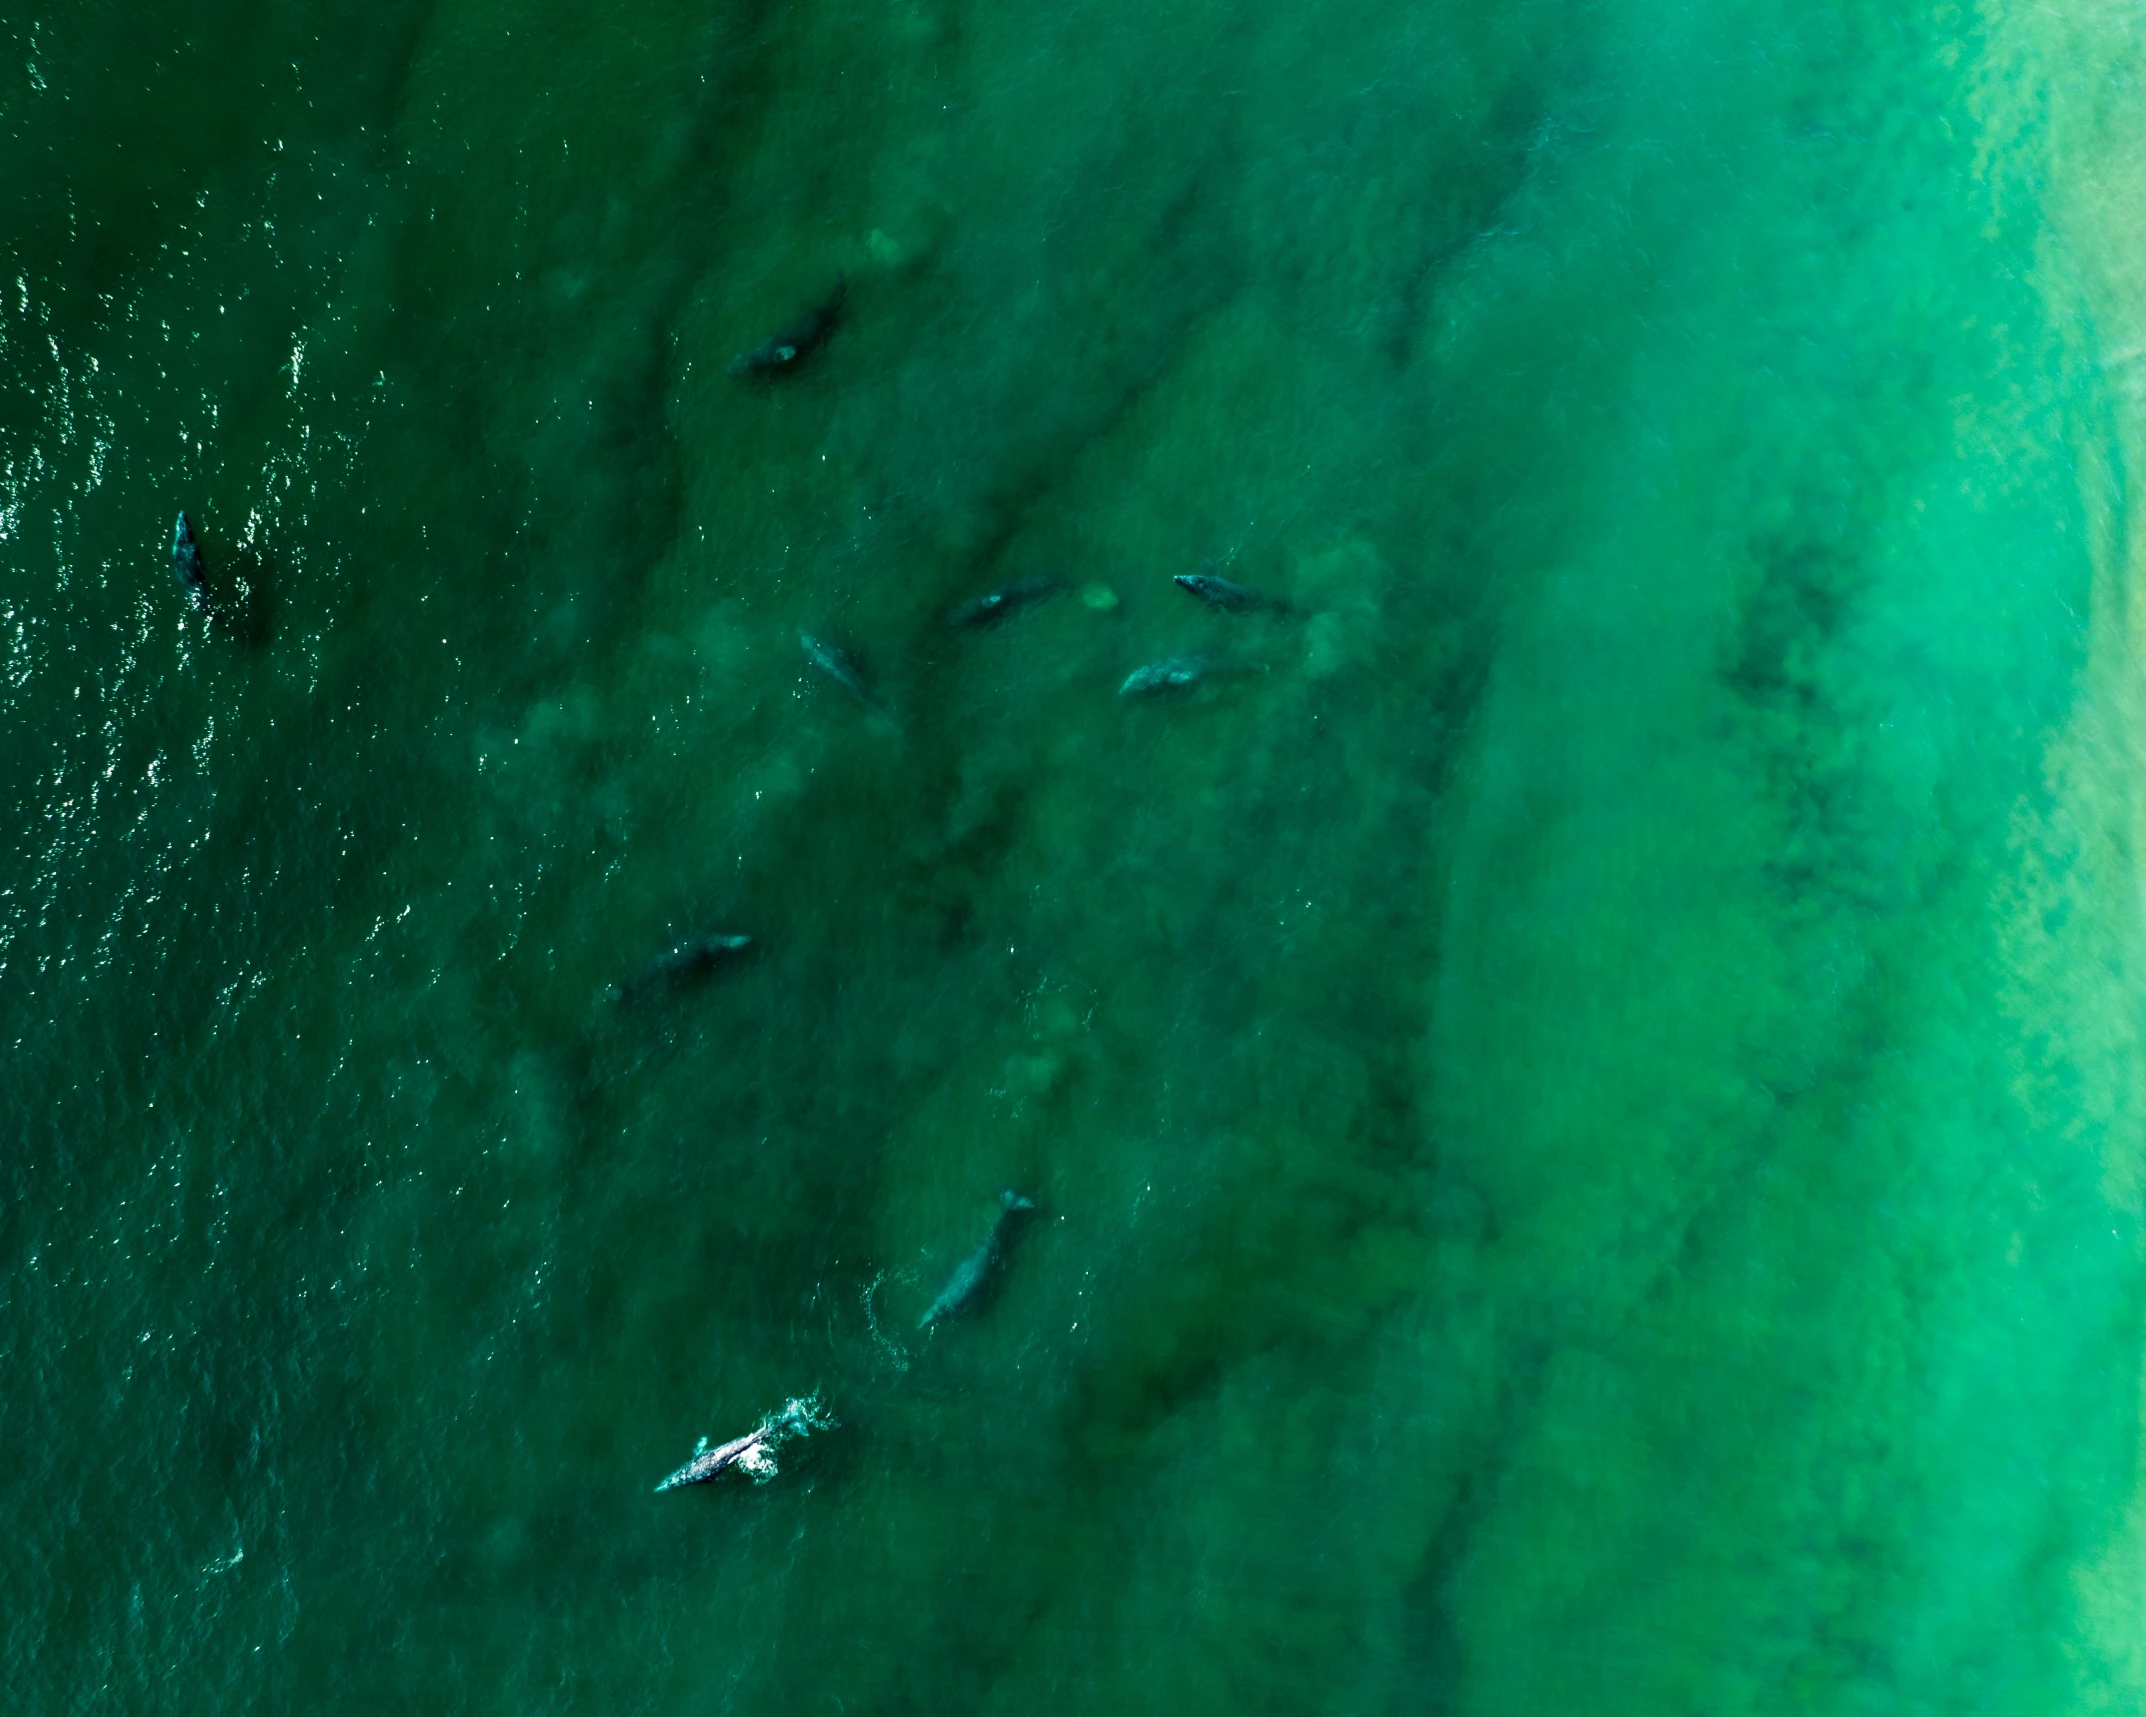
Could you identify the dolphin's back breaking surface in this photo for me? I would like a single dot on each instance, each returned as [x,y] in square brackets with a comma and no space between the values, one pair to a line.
[186,560]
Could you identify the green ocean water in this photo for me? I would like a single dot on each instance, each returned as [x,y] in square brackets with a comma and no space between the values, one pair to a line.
[1584,1099]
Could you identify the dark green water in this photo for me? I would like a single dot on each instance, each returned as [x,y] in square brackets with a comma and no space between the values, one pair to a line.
[1587,1119]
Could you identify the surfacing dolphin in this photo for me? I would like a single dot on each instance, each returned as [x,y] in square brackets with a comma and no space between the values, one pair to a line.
[1218,592]
[1002,600]
[785,351]
[753,1453]
[186,556]
[973,1276]
[687,959]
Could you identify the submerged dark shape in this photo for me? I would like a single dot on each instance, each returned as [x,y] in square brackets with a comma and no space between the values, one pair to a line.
[753,1453]
[688,959]
[186,556]
[1002,600]
[1181,673]
[973,1277]
[786,350]
[836,663]
[1173,673]
[841,667]
[1218,592]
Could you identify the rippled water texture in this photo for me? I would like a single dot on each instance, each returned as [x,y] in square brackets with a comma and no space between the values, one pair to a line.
[1582,1089]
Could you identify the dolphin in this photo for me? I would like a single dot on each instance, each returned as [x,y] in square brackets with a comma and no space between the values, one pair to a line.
[1178,673]
[836,663]
[753,1453]
[1174,673]
[1218,592]
[1004,599]
[186,556]
[687,959]
[973,1276]
[786,350]
[841,667]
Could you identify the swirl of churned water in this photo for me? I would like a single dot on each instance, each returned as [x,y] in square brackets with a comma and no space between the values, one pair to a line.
[754,1453]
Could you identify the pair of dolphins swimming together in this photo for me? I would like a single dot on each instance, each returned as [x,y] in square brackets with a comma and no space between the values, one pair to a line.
[1180,673]
[754,1453]
[775,355]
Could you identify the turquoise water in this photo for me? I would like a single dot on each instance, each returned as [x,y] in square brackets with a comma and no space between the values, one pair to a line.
[1584,1097]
